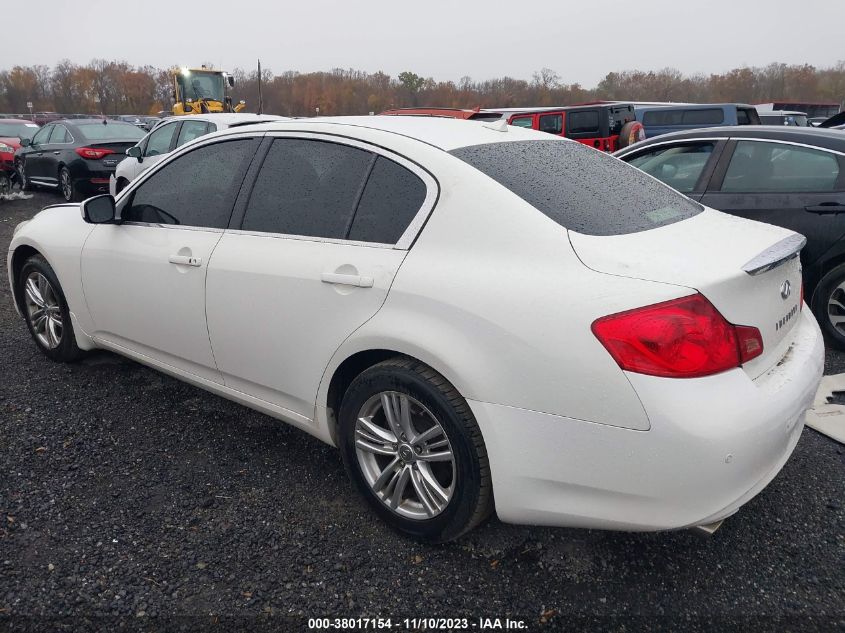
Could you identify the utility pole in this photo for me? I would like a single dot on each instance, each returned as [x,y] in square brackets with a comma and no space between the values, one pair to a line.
[260,100]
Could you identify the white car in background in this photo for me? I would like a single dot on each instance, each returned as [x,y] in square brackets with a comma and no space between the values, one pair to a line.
[171,133]
[468,311]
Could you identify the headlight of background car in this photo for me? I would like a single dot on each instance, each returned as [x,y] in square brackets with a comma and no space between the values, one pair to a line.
[6,148]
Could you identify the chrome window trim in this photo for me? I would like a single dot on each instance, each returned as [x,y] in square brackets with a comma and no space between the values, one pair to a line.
[186,227]
[432,187]
[310,238]
[680,141]
[795,143]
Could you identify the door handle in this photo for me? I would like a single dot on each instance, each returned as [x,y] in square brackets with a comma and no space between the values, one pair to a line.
[347,280]
[57,153]
[826,207]
[184,260]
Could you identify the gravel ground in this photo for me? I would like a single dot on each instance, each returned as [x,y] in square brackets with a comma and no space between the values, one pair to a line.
[125,493]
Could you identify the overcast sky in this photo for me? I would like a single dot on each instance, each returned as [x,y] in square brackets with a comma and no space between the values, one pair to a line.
[581,40]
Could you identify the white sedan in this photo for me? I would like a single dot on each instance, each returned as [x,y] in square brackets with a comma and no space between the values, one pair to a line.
[172,133]
[468,311]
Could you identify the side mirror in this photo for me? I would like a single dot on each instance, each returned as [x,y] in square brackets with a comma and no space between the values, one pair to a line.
[134,152]
[99,210]
[26,142]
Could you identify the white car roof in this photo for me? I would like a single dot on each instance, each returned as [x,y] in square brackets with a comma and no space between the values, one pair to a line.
[444,133]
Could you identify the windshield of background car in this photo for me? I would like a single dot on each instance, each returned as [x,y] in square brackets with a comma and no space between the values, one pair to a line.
[111,131]
[21,130]
[580,188]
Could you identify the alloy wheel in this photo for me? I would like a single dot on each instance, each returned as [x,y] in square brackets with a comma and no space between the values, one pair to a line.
[43,310]
[836,308]
[405,455]
[66,184]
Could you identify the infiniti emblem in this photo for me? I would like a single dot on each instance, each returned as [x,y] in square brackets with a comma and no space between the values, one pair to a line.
[785,290]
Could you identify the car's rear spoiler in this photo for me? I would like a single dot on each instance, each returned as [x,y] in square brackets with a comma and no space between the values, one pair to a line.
[777,254]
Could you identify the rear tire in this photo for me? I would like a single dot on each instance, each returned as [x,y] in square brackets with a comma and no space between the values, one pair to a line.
[5,184]
[439,499]
[828,305]
[46,311]
[66,187]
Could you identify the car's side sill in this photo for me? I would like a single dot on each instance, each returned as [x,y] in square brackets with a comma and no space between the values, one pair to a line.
[286,415]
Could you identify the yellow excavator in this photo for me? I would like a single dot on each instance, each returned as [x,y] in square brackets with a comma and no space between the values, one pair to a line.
[203,90]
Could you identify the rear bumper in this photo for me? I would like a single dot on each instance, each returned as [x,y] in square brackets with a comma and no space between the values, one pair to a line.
[713,444]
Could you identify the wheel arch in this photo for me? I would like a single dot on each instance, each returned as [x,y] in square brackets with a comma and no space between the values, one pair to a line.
[343,372]
[19,257]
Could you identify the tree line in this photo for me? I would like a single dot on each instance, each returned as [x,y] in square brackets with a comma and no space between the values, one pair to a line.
[111,87]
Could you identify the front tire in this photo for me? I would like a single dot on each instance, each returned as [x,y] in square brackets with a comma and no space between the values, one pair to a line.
[25,183]
[412,447]
[46,311]
[829,305]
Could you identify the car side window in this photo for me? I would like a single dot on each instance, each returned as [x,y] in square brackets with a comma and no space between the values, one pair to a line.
[522,121]
[392,197]
[60,135]
[765,167]
[586,122]
[159,141]
[680,166]
[42,135]
[191,130]
[196,189]
[551,123]
[307,187]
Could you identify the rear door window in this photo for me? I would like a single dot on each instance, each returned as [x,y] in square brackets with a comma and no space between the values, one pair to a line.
[392,198]
[551,123]
[765,167]
[160,140]
[579,188]
[308,188]
[679,166]
[191,130]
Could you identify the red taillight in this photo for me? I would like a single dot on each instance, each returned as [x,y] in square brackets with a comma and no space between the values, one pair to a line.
[93,153]
[682,338]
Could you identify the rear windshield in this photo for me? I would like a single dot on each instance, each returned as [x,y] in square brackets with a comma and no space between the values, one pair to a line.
[580,188]
[113,130]
[21,130]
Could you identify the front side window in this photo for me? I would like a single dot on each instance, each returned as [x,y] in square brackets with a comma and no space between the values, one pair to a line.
[579,188]
[762,167]
[43,134]
[160,140]
[307,187]
[551,123]
[522,121]
[679,167]
[391,200]
[197,189]
[191,130]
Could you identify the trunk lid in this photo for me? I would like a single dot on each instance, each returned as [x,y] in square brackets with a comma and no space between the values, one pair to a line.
[109,161]
[742,267]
